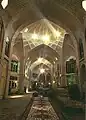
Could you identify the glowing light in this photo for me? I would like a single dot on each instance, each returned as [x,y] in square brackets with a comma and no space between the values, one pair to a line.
[4,3]
[53,81]
[26,30]
[7,39]
[34,36]
[40,59]
[60,75]
[84,4]
[49,83]
[16,82]
[42,83]
[42,70]
[45,37]
[16,96]
[27,90]
[58,33]
[36,83]
[56,58]
[41,96]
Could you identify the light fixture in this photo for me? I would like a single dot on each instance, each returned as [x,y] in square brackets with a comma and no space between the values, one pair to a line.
[26,30]
[7,39]
[27,90]
[56,58]
[84,4]
[36,83]
[53,81]
[45,37]
[42,70]
[16,96]
[4,3]
[60,75]
[49,83]
[58,33]
[16,82]
[42,83]
[40,59]
[34,36]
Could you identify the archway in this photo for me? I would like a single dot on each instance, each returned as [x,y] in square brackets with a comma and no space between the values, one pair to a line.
[28,15]
[71,71]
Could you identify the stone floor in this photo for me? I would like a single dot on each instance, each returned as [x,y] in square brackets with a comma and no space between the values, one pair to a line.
[70,113]
[13,107]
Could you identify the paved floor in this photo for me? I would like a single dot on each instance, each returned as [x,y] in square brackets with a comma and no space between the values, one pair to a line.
[13,107]
[68,112]
[41,109]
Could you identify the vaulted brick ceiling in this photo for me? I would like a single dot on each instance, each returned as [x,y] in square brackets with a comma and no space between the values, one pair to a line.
[66,12]
[43,51]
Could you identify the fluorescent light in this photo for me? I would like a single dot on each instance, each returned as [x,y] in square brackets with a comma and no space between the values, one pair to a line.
[84,4]
[16,96]
[4,3]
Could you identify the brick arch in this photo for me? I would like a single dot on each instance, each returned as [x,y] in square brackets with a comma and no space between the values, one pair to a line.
[46,50]
[69,48]
[28,15]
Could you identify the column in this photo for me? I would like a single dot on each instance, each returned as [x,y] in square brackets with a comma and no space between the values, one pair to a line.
[9,70]
[63,76]
[21,76]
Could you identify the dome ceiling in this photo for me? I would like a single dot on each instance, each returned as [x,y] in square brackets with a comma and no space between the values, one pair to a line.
[43,51]
[19,12]
[38,62]
[43,32]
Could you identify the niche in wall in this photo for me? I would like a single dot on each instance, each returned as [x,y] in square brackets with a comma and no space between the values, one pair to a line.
[71,71]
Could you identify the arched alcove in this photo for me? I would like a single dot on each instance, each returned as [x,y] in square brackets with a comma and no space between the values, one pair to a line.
[71,71]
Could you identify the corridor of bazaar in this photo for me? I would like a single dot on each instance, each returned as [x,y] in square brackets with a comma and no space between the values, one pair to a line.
[42,59]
